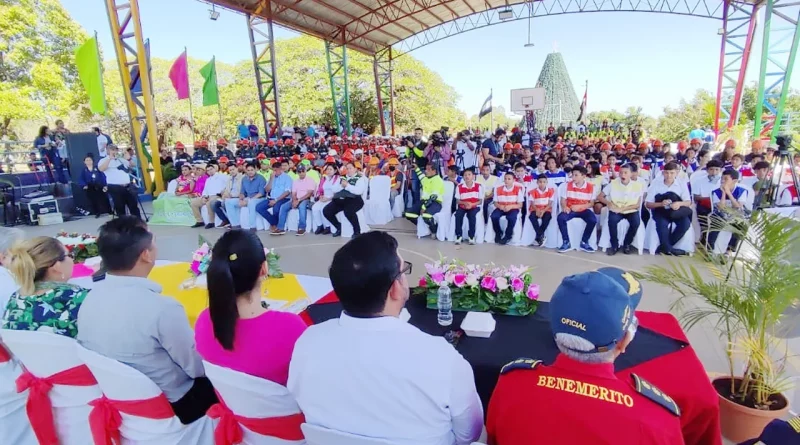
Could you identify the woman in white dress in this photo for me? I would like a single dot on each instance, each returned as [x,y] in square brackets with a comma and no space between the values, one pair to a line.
[323,196]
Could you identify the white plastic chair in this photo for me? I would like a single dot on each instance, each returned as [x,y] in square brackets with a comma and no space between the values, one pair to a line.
[252,397]
[550,233]
[622,231]
[377,208]
[651,241]
[347,228]
[43,355]
[172,186]
[442,218]
[318,435]
[399,201]
[15,428]
[120,382]
[479,227]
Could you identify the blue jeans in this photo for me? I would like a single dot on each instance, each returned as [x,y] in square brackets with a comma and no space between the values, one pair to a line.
[232,208]
[272,218]
[219,210]
[302,207]
[587,216]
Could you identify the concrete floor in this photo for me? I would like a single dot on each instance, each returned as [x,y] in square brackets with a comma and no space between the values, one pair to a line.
[311,255]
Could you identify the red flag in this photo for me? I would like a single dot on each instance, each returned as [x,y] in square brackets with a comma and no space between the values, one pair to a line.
[179,75]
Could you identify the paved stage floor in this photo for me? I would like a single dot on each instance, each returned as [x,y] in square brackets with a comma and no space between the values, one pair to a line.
[311,255]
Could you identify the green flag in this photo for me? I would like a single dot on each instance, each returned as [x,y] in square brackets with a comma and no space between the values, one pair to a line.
[87,58]
[210,91]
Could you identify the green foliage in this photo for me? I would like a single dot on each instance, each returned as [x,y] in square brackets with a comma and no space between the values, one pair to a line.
[38,77]
[743,301]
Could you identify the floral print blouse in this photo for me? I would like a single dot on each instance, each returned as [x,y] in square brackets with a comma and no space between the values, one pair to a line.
[53,308]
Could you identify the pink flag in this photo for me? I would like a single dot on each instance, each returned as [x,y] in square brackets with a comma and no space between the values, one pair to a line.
[179,75]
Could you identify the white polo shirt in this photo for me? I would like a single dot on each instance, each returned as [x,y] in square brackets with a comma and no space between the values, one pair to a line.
[114,175]
[216,184]
[384,378]
[658,187]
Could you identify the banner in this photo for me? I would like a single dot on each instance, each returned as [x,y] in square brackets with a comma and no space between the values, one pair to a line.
[179,75]
[87,59]
[486,108]
[170,210]
[210,91]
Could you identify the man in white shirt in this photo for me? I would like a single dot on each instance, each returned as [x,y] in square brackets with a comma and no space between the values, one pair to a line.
[368,373]
[8,285]
[116,167]
[703,186]
[103,140]
[465,152]
[670,202]
[212,192]
[488,181]
[125,317]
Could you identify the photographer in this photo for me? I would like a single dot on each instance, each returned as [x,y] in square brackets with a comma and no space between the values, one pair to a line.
[491,147]
[116,168]
[465,151]
[438,152]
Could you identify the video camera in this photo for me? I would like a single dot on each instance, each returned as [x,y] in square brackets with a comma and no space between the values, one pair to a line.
[784,142]
[437,139]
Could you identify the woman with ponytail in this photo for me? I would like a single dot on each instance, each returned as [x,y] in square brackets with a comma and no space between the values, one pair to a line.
[237,331]
[45,302]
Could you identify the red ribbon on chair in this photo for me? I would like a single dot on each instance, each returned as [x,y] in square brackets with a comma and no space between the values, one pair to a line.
[105,419]
[229,428]
[5,356]
[38,406]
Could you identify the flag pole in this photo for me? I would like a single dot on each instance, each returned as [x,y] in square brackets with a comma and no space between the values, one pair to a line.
[188,82]
[221,127]
[491,110]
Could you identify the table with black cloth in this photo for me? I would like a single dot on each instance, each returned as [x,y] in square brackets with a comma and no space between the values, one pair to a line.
[660,353]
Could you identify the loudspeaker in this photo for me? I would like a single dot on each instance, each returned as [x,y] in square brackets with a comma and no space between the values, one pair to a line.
[78,146]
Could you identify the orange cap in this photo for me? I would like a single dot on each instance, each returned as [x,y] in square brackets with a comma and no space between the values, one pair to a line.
[394,161]
[330,160]
[695,141]
[180,145]
[295,158]
[373,161]
[682,145]
[261,156]
[222,141]
[223,160]
[605,147]
[658,143]
[310,156]
[730,143]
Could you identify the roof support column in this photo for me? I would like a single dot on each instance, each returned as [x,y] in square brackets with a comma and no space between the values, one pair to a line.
[336,55]
[739,24]
[382,66]
[778,56]
[133,59]
[262,47]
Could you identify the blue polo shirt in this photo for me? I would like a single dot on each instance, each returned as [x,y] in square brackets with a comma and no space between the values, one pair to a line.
[280,185]
[252,187]
[244,131]
[491,145]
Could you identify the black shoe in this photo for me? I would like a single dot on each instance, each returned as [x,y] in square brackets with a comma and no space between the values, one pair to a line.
[225,225]
[355,234]
[504,241]
[337,234]
[209,226]
[434,229]
[196,225]
[319,230]
[627,250]
[327,231]
[611,251]
[678,252]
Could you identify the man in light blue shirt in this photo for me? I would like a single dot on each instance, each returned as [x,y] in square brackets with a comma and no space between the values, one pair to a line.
[697,133]
[279,189]
[243,130]
[250,195]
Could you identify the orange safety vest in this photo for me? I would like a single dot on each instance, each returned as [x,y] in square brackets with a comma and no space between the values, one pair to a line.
[471,195]
[541,199]
[508,196]
[578,196]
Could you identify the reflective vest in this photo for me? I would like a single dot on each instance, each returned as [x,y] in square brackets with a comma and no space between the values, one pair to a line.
[432,186]
[541,199]
[625,195]
[504,196]
[579,196]
[393,177]
[471,195]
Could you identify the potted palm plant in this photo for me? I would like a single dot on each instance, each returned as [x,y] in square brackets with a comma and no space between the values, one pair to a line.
[744,301]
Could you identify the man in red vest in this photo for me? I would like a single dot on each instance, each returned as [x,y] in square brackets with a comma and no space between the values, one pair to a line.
[468,195]
[577,203]
[541,207]
[508,201]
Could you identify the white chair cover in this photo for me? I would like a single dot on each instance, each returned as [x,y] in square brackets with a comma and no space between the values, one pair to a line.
[516,237]
[121,382]
[551,233]
[172,186]
[250,396]
[442,218]
[15,428]
[206,220]
[479,227]
[724,237]
[293,220]
[622,231]
[347,228]
[575,228]
[400,202]
[651,241]
[44,354]
[244,219]
[318,435]
[377,208]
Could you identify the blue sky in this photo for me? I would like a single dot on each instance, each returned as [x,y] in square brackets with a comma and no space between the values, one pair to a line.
[629,59]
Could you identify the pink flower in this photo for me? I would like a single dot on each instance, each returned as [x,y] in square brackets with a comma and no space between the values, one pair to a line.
[460,280]
[489,283]
[517,285]
[438,278]
[432,268]
[533,292]
[423,282]
[449,277]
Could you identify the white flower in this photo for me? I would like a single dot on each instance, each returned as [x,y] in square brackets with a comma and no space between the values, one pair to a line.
[502,283]
[472,280]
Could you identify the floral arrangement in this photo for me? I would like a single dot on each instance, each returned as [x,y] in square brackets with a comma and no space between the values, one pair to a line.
[482,288]
[80,246]
[202,257]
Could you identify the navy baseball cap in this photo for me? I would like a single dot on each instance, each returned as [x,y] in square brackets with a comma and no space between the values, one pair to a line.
[631,285]
[593,306]
[778,432]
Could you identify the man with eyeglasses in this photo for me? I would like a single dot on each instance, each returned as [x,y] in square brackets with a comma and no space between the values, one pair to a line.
[397,383]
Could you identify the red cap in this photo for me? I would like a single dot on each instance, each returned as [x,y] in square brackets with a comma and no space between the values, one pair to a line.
[330,160]
[695,141]
[730,143]
[261,156]
[682,145]
[222,141]
[290,142]
[179,145]
[223,160]
[658,143]
[295,158]
[310,156]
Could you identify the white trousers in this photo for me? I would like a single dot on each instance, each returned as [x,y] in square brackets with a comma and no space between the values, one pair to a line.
[316,215]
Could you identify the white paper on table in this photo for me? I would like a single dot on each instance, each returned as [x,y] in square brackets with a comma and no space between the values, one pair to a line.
[296,307]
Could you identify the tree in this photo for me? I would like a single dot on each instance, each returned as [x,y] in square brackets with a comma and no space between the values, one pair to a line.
[561,102]
[38,76]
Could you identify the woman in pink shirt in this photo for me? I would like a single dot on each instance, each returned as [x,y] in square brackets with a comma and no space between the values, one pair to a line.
[237,331]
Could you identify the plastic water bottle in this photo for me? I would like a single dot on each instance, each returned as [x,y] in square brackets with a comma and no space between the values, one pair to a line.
[445,305]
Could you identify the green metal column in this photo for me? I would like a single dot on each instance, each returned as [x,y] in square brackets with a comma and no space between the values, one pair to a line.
[778,56]
[382,67]
[262,47]
[336,55]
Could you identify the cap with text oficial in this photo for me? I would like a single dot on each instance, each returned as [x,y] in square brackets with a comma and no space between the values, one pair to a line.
[593,306]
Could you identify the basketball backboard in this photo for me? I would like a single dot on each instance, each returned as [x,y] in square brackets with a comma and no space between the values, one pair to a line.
[527,99]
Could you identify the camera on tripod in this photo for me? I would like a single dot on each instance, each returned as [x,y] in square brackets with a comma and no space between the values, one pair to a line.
[784,142]
[437,140]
